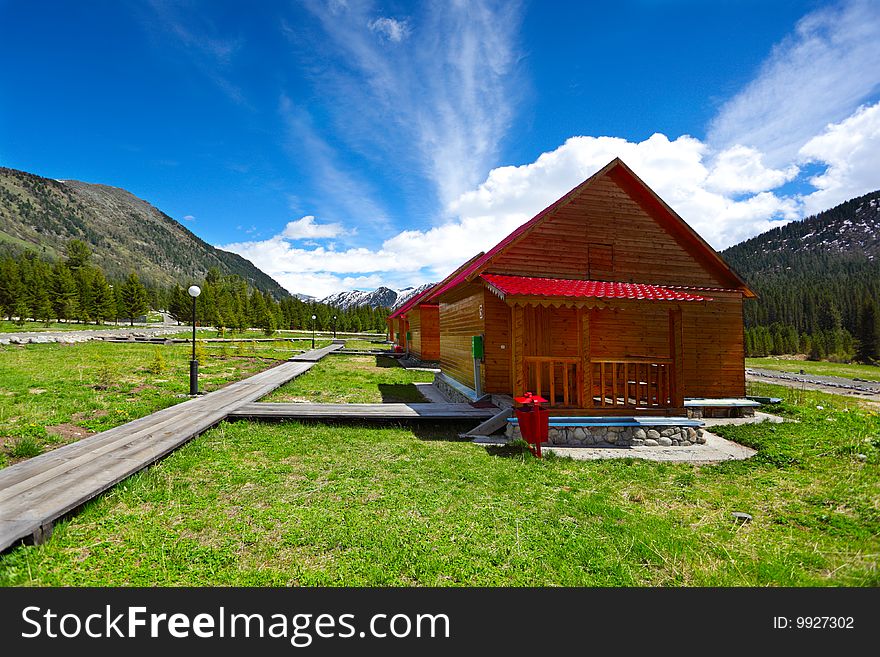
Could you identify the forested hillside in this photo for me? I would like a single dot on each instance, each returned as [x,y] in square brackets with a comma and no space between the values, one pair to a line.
[815,280]
[123,232]
[73,288]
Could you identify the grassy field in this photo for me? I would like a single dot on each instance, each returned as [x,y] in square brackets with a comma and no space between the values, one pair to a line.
[355,380]
[850,371]
[313,504]
[52,394]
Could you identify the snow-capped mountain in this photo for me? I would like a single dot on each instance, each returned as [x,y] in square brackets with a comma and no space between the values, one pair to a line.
[381,296]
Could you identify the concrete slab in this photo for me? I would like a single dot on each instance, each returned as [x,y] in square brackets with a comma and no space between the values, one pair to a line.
[430,392]
[757,419]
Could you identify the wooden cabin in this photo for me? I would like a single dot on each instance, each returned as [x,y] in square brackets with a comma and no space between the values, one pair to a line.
[420,316]
[422,324]
[397,328]
[605,301]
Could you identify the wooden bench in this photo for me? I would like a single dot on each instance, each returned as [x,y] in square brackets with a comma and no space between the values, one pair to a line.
[699,407]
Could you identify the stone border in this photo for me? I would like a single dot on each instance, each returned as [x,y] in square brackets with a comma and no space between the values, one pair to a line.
[598,435]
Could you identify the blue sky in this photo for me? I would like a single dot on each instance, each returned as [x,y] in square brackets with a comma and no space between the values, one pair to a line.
[347,144]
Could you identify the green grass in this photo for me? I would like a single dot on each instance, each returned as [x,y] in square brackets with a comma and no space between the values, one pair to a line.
[867,372]
[276,504]
[52,394]
[252,504]
[355,380]
[374,344]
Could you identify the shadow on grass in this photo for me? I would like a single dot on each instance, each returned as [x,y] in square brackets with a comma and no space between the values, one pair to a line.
[387,361]
[400,393]
[448,431]
[512,450]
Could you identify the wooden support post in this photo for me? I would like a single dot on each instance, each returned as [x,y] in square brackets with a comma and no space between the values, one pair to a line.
[676,352]
[565,373]
[585,380]
[614,384]
[517,363]
[42,533]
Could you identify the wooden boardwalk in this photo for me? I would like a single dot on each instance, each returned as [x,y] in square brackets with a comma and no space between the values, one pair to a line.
[422,411]
[36,492]
[315,355]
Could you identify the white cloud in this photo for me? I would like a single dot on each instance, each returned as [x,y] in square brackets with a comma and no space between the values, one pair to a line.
[339,186]
[851,149]
[511,195]
[740,169]
[189,217]
[390,29]
[816,76]
[451,99]
[306,228]
[445,99]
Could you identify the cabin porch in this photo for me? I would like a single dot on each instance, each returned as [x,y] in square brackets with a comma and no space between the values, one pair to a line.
[621,359]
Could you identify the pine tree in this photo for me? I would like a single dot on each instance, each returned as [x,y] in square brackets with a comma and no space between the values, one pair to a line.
[134,298]
[11,289]
[103,301]
[62,294]
[868,350]
[78,254]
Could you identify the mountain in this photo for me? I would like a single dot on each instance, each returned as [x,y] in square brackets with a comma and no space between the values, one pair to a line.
[380,297]
[815,273]
[850,230]
[125,233]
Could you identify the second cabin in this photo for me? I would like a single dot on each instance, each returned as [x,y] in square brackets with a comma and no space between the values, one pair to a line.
[606,301]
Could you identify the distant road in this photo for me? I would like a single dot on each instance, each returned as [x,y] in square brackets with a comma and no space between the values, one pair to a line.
[837,385]
[36,337]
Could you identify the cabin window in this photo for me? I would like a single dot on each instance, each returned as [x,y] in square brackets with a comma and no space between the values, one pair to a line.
[601,262]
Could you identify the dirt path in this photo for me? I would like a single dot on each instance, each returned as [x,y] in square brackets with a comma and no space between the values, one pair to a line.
[86,335]
[865,390]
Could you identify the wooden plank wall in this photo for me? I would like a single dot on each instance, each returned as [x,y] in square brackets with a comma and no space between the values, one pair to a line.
[641,330]
[414,319]
[604,215]
[712,340]
[429,340]
[459,321]
[497,345]
[550,331]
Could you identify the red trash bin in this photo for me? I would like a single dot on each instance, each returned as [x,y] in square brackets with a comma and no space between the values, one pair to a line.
[534,421]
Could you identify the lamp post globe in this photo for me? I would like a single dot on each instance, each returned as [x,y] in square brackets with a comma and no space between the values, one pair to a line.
[334,326]
[194,291]
[314,317]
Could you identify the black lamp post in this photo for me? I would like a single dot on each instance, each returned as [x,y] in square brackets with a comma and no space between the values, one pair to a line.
[334,326]
[194,291]
[314,317]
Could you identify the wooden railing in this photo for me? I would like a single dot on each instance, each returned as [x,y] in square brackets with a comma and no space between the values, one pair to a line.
[558,378]
[631,383]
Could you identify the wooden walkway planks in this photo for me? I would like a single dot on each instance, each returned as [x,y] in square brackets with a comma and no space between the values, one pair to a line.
[280,411]
[36,492]
[315,355]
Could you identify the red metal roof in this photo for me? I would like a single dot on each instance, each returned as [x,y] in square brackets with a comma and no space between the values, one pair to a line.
[409,303]
[475,266]
[569,288]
